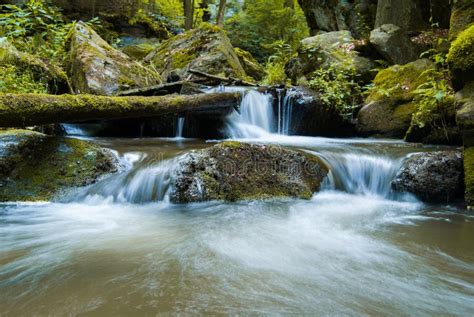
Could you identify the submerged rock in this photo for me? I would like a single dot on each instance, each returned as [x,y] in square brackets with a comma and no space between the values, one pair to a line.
[389,106]
[206,49]
[95,67]
[234,171]
[36,167]
[433,177]
[394,44]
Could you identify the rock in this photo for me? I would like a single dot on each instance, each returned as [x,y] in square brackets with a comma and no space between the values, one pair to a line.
[36,167]
[138,51]
[462,16]
[324,50]
[465,113]
[251,66]
[394,44]
[461,58]
[96,67]
[206,49]
[334,15]
[388,108]
[234,171]
[469,176]
[433,177]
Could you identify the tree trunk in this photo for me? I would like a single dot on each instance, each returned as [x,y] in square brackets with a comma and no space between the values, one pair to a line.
[221,13]
[188,14]
[20,110]
[206,14]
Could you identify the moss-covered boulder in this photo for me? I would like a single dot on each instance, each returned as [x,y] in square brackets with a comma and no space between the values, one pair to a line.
[251,66]
[394,44]
[462,16]
[138,51]
[95,67]
[206,49]
[389,105]
[461,58]
[36,167]
[234,171]
[326,50]
[469,176]
[433,177]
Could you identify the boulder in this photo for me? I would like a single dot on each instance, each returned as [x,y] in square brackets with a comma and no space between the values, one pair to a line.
[432,177]
[206,49]
[462,16]
[324,50]
[234,171]
[389,108]
[251,66]
[461,58]
[138,51]
[36,167]
[394,44]
[95,67]
[469,176]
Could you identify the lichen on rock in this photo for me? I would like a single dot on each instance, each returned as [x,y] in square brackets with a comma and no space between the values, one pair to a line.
[233,171]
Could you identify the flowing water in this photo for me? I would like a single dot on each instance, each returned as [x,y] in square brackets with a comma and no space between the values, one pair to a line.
[119,247]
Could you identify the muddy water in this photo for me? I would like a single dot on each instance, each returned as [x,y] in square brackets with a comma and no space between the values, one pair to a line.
[355,248]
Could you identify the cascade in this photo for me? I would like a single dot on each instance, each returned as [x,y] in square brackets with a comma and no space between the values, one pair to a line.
[179,127]
[285,108]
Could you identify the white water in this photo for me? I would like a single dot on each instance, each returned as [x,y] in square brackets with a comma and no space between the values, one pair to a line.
[285,108]
[179,127]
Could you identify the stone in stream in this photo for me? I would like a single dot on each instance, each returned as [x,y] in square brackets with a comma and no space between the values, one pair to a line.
[432,177]
[233,171]
[36,167]
[97,68]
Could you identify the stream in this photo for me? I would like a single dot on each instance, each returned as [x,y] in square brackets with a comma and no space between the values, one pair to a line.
[119,247]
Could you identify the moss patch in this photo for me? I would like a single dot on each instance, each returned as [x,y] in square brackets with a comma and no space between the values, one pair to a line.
[36,167]
[461,57]
[469,175]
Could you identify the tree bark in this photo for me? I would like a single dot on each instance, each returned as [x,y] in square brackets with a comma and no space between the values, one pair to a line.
[188,14]
[221,13]
[20,110]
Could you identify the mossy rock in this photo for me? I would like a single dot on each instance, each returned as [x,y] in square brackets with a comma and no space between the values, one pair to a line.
[251,66]
[233,171]
[97,68]
[469,175]
[461,58]
[138,51]
[36,167]
[206,49]
[465,112]
[462,16]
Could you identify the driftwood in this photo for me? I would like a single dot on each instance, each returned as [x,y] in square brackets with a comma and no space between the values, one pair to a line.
[19,110]
[220,79]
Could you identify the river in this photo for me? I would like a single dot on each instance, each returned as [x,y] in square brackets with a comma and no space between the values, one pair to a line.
[119,247]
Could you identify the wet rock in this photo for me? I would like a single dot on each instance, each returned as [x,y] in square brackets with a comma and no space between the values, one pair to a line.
[96,67]
[324,50]
[433,177]
[394,44]
[251,66]
[206,49]
[389,107]
[36,167]
[234,171]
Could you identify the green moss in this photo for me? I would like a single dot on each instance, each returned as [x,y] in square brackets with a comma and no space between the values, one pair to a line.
[42,167]
[461,57]
[462,16]
[469,175]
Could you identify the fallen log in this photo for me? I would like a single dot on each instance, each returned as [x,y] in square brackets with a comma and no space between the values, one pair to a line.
[20,110]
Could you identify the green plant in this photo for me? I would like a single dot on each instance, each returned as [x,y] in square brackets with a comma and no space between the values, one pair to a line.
[15,81]
[337,88]
[275,67]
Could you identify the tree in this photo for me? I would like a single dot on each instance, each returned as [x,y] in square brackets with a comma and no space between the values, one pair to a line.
[206,13]
[221,13]
[188,14]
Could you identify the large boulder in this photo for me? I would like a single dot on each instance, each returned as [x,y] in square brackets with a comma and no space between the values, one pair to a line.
[334,15]
[461,58]
[389,106]
[462,16]
[250,64]
[95,67]
[394,44]
[433,177]
[36,167]
[324,50]
[234,171]
[206,49]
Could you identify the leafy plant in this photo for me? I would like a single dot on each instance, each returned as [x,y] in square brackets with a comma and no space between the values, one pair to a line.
[15,81]
[275,67]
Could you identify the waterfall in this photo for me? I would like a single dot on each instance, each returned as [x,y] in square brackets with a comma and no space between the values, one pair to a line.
[179,127]
[361,174]
[285,108]
[256,117]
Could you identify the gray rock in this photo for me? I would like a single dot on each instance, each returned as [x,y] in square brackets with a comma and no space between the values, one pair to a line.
[393,44]
[432,177]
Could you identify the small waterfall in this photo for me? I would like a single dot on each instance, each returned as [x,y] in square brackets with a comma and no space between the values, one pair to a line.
[285,108]
[361,174]
[256,117]
[138,185]
[179,127]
